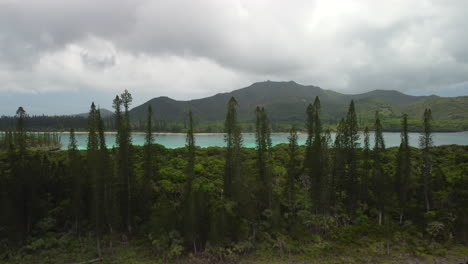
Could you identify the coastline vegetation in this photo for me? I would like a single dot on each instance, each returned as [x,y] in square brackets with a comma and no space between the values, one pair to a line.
[323,202]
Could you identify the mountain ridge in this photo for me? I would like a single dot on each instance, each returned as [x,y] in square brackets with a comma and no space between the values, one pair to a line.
[288,100]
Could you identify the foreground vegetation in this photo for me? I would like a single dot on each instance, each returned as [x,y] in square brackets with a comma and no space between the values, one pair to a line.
[324,202]
[370,247]
[313,238]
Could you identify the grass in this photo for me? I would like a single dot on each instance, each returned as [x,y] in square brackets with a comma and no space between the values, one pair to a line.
[65,248]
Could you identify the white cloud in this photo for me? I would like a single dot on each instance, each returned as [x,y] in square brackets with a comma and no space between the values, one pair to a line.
[187,49]
[98,64]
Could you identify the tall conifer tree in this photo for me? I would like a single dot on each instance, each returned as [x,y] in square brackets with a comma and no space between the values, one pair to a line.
[74,170]
[190,143]
[310,122]
[380,181]
[117,105]
[120,179]
[326,171]
[425,143]
[263,139]
[191,198]
[127,99]
[293,167]
[338,169]
[314,163]
[149,168]
[148,151]
[403,167]
[20,131]
[124,143]
[106,182]
[351,142]
[366,168]
[233,139]
[94,175]
[20,171]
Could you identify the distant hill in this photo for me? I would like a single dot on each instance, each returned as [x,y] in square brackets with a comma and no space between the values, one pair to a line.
[287,102]
[104,113]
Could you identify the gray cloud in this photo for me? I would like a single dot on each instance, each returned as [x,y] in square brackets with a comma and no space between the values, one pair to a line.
[188,49]
[99,62]
[28,29]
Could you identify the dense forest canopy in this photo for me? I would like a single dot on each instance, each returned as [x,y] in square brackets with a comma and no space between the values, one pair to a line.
[221,202]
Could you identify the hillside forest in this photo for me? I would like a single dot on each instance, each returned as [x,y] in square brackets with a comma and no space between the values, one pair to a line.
[150,204]
[285,103]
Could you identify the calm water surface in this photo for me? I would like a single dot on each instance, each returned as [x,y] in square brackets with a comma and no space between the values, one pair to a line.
[212,140]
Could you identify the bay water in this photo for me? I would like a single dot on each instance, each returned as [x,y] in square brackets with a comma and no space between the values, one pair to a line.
[170,140]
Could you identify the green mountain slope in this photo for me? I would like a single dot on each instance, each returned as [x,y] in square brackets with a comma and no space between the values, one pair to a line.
[443,108]
[287,102]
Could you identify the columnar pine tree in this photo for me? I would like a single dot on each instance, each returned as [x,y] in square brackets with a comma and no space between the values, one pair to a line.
[380,181]
[263,139]
[366,168]
[106,182]
[351,144]
[310,121]
[326,171]
[233,139]
[117,105]
[124,157]
[94,175]
[314,154]
[190,203]
[338,168]
[293,168]
[38,187]
[190,144]
[149,169]
[126,98]
[19,169]
[403,167]
[75,175]
[425,143]
[20,134]
[120,179]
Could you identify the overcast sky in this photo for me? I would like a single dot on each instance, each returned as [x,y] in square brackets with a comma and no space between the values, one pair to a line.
[57,56]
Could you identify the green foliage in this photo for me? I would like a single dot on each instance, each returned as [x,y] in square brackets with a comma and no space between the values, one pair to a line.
[285,101]
[233,139]
[263,140]
[226,204]
[306,233]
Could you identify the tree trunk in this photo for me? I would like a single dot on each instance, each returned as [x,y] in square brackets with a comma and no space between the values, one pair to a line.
[77,231]
[129,225]
[110,240]
[426,198]
[98,246]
